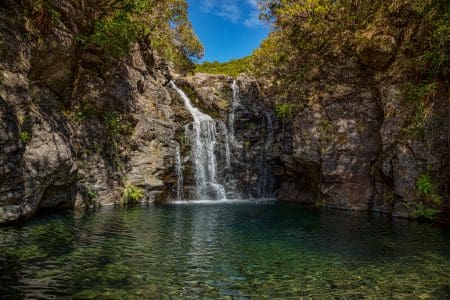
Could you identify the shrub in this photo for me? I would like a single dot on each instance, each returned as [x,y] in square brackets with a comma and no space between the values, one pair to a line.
[428,197]
[232,68]
[116,124]
[55,15]
[424,185]
[25,137]
[132,194]
[427,190]
[42,12]
[423,212]
[165,24]
[77,114]
[115,34]
[91,193]
[284,110]
[417,114]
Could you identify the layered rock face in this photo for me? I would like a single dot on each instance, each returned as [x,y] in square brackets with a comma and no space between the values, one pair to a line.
[64,111]
[77,127]
[348,147]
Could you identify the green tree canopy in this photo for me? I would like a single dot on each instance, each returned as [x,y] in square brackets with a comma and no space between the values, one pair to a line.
[164,23]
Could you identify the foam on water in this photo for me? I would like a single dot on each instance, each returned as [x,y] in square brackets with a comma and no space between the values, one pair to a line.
[224,201]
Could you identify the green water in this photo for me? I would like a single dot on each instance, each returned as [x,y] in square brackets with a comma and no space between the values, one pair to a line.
[227,250]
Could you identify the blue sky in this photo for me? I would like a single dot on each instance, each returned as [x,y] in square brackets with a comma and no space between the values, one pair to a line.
[227,28]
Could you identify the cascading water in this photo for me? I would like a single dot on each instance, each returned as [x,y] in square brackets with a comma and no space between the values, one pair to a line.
[264,167]
[179,171]
[218,158]
[231,141]
[226,138]
[234,105]
[203,143]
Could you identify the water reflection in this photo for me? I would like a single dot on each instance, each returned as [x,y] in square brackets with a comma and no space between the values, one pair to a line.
[239,249]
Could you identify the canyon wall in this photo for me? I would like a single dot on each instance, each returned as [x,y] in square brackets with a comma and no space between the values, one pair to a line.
[360,139]
[76,126]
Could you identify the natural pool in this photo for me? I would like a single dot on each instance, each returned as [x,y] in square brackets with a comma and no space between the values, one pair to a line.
[223,250]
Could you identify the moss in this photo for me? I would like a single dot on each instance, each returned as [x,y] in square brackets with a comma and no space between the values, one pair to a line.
[55,15]
[182,138]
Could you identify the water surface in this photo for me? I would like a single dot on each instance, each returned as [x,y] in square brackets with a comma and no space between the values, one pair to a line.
[223,250]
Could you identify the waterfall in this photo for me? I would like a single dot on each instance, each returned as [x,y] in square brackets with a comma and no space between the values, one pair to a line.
[226,138]
[234,105]
[179,171]
[203,143]
[264,167]
[269,140]
[231,141]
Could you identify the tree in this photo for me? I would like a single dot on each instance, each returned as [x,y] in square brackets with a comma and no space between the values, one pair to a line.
[164,23]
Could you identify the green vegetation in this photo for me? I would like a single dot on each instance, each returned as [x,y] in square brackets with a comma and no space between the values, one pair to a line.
[427,198]
[42,13]
[91,193]
[284,110]
[25,137]
[422,212]
[232,68]
[54,14]
[163,23]
[116,124]
[182,140]
[326,131]
[307,33]
[424,185]
[427,190]
[392,198]
[77,114]
[132,194]
[115,34]
[416,97]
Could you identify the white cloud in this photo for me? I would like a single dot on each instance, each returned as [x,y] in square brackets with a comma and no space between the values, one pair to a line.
[228,10]
[235,11]
[252,19]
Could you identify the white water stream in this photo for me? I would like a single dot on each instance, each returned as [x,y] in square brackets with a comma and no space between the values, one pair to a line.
[236,102]
[179,171]
[203,143]
[208,138]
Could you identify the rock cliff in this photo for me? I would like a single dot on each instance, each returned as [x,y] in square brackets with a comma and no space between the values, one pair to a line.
[77,127]
[365,134]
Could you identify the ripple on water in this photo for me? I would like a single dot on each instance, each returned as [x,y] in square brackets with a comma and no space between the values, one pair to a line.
[219,249]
